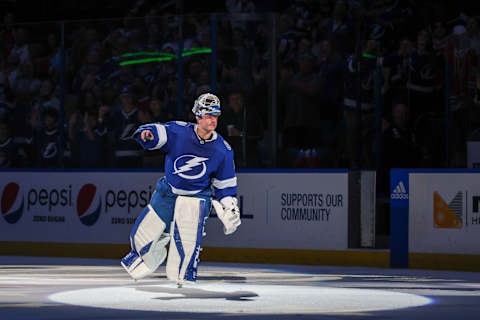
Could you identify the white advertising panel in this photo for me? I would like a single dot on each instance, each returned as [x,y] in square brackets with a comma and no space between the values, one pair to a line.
[288,211]
[83,207]
[279,210]
[444,213]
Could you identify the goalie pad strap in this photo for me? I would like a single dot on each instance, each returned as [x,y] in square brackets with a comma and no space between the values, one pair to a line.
[135,266]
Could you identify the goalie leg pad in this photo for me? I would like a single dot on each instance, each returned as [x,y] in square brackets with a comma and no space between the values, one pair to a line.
[135,266]
[148,242]
[148,227]
[186,233]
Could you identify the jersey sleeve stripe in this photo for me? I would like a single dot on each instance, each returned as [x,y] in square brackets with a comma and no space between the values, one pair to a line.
[221,193]
[162,136]
[227,183]
[182,192]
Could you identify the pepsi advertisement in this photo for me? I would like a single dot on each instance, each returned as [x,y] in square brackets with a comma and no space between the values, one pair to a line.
[101,208]
[73,206]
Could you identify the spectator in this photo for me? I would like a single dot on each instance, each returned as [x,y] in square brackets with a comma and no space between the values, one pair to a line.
[462,66]
[399,146]
[3,88]
[10,71]
[287,42]
[89,133]
[338,30]
[439,37]
[93,140]
[239,6]
[21,48]
[7,35]
[473,34]
[302,112]
[156,112]
[242,128]
[231,73]
[395,66]
[360,89]
[8,156]
[48,140]
[424,79]
[124,123]
[53,48]
[45,99]
[25,81]
[19,149]
[330,93]
[304,46]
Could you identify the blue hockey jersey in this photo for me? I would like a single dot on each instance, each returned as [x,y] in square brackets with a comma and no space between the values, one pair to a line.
[193,165]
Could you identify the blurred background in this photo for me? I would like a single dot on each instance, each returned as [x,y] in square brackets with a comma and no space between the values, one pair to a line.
[315,84]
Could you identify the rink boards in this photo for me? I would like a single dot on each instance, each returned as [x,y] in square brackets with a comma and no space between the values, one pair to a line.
[435,219]
[287,217]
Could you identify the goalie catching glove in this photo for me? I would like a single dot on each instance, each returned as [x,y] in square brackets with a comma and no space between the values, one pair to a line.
[229,213]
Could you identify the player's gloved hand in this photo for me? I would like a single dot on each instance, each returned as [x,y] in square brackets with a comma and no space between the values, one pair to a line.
[147,135]
[229,213]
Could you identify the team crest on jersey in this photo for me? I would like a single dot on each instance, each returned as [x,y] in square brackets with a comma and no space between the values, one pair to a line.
[127,131]
[49,151]
[427,72]
[190,166]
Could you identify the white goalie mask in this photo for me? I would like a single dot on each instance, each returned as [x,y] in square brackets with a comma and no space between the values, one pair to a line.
[207,103]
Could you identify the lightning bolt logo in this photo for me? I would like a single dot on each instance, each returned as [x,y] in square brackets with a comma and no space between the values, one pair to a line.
[191,162]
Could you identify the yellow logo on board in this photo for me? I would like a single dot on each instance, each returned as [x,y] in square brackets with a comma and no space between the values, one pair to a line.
[447,215]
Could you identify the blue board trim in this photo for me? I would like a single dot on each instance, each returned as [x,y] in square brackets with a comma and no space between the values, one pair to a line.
[399,210]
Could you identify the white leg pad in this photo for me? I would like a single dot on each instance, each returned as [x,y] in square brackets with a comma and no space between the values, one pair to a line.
[148,243]
[186,235]
[150,229]
[157,253]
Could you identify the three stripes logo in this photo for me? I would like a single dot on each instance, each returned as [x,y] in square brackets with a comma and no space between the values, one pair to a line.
[400,192]
[448,215]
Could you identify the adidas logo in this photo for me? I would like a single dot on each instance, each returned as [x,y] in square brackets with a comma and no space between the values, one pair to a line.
[399,193]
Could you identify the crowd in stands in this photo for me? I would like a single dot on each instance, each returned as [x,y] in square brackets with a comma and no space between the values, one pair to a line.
[343,68]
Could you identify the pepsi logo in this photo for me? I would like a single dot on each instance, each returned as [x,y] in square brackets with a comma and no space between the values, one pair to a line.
[12,207]
[89,204]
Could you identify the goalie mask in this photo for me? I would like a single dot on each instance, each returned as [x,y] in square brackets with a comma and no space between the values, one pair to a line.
[206,104]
